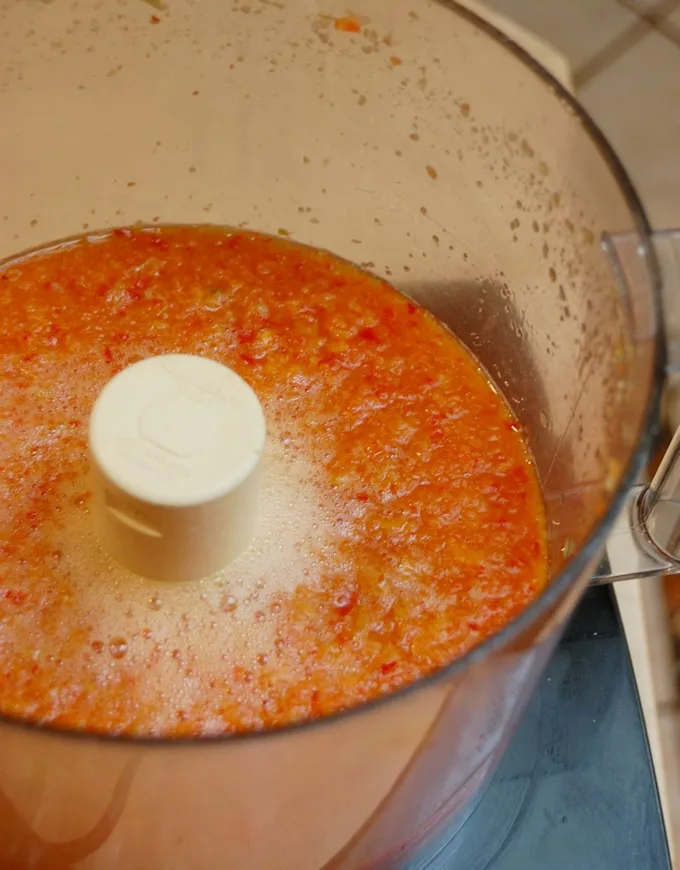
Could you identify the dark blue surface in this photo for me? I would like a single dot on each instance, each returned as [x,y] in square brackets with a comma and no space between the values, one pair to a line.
[576,790]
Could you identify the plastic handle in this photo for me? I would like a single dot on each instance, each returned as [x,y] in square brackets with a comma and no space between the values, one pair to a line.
[630,551]
[645,540]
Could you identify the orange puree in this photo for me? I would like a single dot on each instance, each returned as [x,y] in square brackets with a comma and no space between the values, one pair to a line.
[404,521]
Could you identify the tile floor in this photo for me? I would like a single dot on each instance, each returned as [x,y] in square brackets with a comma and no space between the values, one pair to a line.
[625,64]
[625,58]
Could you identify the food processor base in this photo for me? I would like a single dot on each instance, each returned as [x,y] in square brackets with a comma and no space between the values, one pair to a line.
[576,787]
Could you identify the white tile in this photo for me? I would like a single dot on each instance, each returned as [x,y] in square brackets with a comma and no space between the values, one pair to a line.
[636,101]
[578,28]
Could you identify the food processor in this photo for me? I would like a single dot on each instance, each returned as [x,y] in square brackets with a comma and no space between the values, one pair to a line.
[417,142]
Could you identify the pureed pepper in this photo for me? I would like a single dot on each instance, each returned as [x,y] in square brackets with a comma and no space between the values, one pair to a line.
[403,521]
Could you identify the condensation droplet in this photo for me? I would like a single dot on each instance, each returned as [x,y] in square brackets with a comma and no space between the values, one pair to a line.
[229,604]
[118,647]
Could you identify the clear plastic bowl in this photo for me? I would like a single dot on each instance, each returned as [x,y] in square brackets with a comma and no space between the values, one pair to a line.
[434,152]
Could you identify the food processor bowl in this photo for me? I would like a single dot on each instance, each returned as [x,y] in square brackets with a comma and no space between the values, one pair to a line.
[414,140]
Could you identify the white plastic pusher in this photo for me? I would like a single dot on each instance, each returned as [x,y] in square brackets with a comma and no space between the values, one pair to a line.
[176,444]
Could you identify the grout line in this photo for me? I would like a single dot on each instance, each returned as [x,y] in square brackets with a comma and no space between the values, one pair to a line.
[608,55]
[670,31]
[657,16]
[648,20]
[654,15]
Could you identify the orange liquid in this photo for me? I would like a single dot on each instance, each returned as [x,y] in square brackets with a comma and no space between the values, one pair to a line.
[403,521]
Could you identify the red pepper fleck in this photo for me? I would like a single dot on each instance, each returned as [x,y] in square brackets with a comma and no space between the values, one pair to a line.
[15,596]
[388,667]
[369,334]
[245,336]
[348,24]
[155,19]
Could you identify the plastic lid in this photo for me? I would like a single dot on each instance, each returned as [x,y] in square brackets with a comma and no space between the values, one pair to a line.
[175,444]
